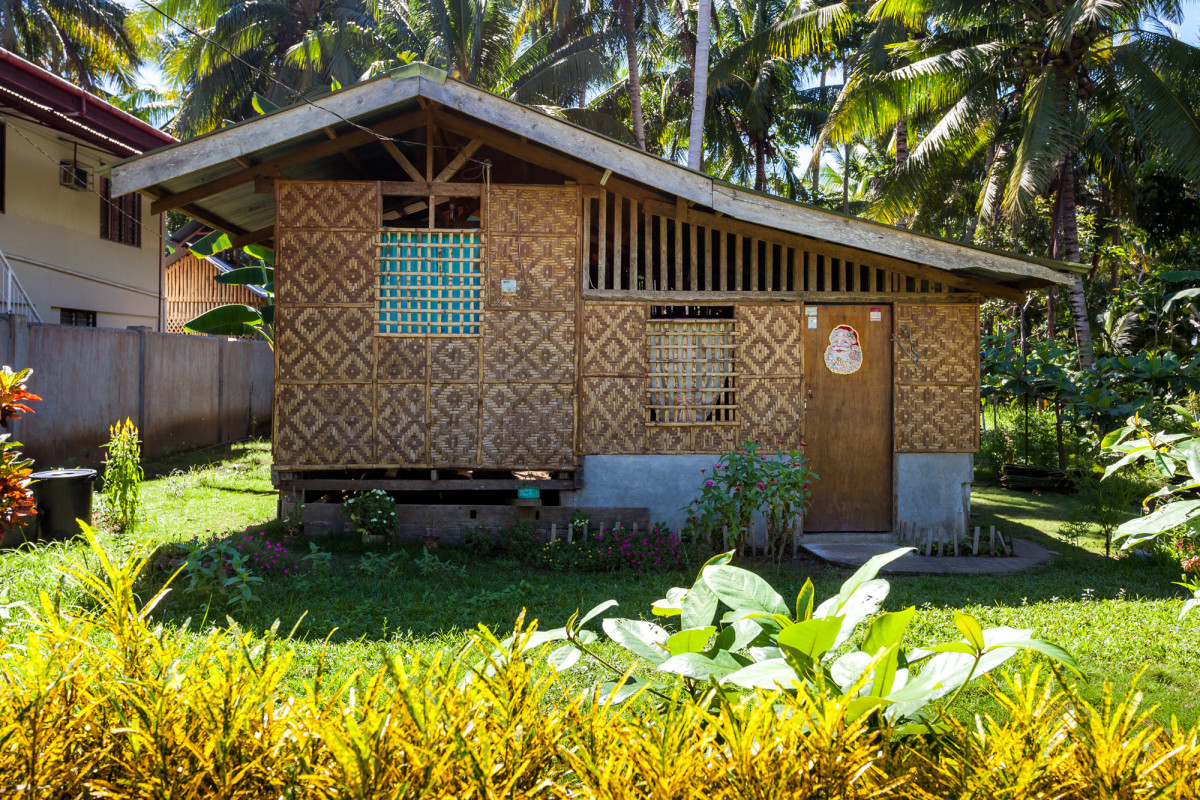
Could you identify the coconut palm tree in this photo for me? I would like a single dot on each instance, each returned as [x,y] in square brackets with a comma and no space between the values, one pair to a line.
[279,49]
[1029,91]
[89,42]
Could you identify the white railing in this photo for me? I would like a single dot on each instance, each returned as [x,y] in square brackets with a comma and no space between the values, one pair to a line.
[14,299]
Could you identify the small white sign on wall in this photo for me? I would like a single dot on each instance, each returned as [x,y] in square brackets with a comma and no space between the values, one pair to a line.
[812,322]
[810,311]
[876,315]
[508,285]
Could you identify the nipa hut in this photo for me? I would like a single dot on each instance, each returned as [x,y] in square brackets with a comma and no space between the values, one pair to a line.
[474,298]
[192,289]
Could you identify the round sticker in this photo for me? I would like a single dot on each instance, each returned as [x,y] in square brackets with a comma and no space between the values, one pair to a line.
[844,353]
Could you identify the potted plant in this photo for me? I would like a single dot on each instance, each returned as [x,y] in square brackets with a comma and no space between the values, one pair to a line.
[373,516]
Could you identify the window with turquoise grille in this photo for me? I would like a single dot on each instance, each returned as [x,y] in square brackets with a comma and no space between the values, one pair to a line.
[430,282]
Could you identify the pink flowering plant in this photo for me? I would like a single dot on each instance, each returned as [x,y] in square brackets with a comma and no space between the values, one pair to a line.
[748,480]
[229,567]
[616,548]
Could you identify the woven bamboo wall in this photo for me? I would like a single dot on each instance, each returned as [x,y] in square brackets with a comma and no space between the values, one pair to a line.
[347,397]
[770,374]
[936,361]
[325,357]
[192,290]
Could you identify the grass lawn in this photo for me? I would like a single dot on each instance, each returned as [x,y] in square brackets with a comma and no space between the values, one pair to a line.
[1117,615]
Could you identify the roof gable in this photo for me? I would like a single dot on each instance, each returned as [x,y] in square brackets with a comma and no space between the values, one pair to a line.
[179,169]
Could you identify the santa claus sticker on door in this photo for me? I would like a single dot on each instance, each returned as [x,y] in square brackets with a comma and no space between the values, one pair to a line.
[844,353]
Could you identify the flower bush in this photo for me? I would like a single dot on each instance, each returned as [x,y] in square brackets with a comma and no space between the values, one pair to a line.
[229,566]
[617,548]
[371,513]
[748,480]
[16,498]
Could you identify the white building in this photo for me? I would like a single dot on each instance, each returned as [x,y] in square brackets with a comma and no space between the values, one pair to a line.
[79,256]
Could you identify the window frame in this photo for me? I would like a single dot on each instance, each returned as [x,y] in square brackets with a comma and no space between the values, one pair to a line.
[460,295]
[665,339]
[74,312]
[126,211]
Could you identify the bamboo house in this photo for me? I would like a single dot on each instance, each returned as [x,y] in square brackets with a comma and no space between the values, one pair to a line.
[474,298]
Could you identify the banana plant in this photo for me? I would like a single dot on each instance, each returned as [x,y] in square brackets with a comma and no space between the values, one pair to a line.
[760,643]
[238,319]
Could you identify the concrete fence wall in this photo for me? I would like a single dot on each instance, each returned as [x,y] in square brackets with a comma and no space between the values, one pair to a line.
[181,391]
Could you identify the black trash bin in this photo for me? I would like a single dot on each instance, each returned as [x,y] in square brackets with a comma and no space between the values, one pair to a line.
[63,496]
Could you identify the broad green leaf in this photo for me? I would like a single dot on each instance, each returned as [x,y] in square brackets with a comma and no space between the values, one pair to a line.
[884,636]
[864,705]
[742,589]
[773,673]
[764,653]
[1163,518]
[247,276]
[228,320]
[923,729]
[701,668]
[848,669]
[264,254]
[595,612]
[1188,606]
[804,601]
[614,692]
[1021,639]
[948,647]
[813,637]
[868,572]
[694,640]
[700,604]
[746,632]
[970,628]
[644,639]
[863,602]
[261,104]
[564,658]
[210,245]
[671,605]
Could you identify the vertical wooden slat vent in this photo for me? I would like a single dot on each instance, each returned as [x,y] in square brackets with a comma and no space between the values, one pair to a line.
[691,372]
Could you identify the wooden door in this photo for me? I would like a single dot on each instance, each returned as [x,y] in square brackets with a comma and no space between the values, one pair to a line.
[848,417]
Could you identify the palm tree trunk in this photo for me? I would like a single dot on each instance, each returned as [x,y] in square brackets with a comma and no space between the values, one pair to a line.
[629,22]
[699,84]
[760,165]
[1065,246]
[816,158]
[846,178]
[902,156]
[1051,313]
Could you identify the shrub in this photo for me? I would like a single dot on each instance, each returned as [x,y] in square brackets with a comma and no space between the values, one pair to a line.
[480,541]
[745,482]
[229,567]
[16,498]
[615,549]
[123,475]
[103,701]
[372,513]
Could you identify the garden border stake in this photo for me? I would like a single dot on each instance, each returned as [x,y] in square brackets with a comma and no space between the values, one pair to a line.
[553,532]
[992,539]
[975,542]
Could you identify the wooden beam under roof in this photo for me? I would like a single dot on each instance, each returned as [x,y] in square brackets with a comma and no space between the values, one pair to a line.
[253,237]
[459,161]
[398,155]
[276,166]
[543,156]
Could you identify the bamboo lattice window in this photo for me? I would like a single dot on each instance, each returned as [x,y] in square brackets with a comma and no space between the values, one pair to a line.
[691,372]
[430,282]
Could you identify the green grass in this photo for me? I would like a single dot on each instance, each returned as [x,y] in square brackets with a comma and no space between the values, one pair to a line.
[1117,615]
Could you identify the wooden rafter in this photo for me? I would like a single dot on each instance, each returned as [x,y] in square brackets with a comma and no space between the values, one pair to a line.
[354,161]
[275,167]
[254,237]
[401,159]
[459,161]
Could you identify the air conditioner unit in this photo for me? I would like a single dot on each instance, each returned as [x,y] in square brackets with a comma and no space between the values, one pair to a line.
[73,176]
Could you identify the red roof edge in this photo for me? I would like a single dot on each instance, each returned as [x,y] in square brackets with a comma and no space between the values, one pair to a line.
[62,105]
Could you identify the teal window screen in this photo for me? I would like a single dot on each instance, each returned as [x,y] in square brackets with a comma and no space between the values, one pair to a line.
[430,282]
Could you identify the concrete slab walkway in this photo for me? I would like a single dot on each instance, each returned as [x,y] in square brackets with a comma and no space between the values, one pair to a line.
[853,550]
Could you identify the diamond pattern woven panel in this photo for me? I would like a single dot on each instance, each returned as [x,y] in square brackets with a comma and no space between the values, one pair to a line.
[772,412]
[454,425]
[327,204]
[330,345]
[945,339]
[401,360]
[937,419]
[400,424]
[324,424]
[668,441]
[536,346]
[612,418]
[936,357]
[454,360]
[771,340]
[547,210]
[540,269]
[715,439]
[528,426]
[326,268]
[614,339]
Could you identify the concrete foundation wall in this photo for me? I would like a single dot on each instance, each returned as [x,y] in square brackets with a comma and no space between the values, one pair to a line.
[181,391]
[930,488]
[663,484]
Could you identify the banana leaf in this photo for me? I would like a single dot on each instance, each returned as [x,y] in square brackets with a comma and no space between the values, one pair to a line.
[233,319]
